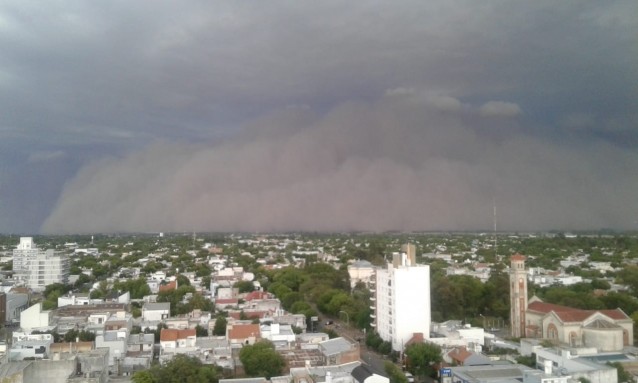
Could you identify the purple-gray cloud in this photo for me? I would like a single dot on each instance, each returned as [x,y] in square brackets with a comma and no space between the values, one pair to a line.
[401,163]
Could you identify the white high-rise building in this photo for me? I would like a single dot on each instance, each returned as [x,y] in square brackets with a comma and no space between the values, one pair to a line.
[25,250]
[38,268]
[401,299]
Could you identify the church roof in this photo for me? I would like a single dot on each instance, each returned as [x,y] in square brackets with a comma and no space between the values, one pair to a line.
[602,324]
[570,314]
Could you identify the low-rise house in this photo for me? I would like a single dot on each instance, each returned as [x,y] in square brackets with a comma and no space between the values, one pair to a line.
[156,311]
[117,343]
[139,353]
[216,350]
[239,333]
[460,356]
[74,299]
[339,351]
[177,341]
[119,320]
[31,349]
[276,332]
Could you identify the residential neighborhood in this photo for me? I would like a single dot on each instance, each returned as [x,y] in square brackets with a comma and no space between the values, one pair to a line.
[330,307]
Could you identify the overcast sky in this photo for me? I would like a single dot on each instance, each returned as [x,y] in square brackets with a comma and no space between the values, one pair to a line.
[290,115]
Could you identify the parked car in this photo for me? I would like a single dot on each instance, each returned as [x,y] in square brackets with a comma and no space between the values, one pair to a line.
[410,377]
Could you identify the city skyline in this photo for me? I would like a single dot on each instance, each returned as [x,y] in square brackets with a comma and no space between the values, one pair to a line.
[161,117]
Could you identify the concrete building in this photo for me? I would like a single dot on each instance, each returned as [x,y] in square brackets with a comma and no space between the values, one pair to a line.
[177,341]
[16,303]
[152,312]
[562,362]
[339,351]
[25,250]
[117,343]
[3,308]
[360,271]
[518,295]
[401,301]
[38,268]
[34,318]
[503,373]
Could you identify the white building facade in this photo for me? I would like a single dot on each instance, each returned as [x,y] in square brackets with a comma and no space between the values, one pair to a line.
[38,268]
[401,302]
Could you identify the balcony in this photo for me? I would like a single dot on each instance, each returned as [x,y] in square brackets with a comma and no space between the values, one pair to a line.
[373,316]
[373,324]
[373,299]
[373,307]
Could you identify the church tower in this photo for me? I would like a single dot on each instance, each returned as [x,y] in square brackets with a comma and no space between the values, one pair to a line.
[518,295]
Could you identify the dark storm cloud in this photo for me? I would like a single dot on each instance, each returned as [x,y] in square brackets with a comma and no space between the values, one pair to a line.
[402,163]
[122,74]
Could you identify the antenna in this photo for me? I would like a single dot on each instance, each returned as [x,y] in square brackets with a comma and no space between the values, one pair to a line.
[495,239]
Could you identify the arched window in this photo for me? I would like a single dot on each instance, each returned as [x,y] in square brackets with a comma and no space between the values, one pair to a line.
[552,331]
[625,338]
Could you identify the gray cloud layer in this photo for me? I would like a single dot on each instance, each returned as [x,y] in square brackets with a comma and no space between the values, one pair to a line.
[403,163]
[82,81]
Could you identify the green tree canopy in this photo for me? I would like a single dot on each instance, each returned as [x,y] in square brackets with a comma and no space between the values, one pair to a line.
[220,326]
[422,357]
[261,359]
[180,369]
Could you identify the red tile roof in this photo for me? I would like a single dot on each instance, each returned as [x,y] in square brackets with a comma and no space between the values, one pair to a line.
[243,331]
[517,257]
[459,354]
[167,334]
[172,285]
[256,295]
[230,301]
[249,314]
[569,314]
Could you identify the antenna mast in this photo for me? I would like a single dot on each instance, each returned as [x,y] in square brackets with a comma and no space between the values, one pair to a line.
[495,239]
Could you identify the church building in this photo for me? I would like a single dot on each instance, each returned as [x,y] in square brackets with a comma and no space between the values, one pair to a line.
[606,330]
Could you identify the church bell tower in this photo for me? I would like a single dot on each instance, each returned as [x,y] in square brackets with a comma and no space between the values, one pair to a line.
[518,295]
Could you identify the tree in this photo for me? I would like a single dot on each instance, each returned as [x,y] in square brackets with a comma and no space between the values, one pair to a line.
[201,331]
[220,326]
[244,286]
[261,359]
[180,369]
[394,373]
[623,375]
[422,357]
[182,280]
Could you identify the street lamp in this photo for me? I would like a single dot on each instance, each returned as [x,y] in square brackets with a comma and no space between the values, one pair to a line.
[347,317]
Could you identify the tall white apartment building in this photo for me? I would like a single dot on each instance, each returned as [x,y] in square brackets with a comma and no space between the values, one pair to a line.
[25,250]
[38,268]
[401,299]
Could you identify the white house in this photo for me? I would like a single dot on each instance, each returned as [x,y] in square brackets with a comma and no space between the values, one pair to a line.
[156,311]
[177,341]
